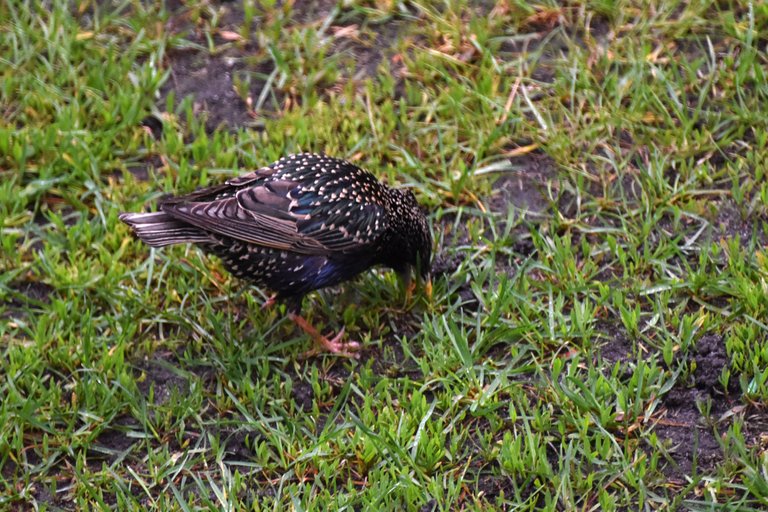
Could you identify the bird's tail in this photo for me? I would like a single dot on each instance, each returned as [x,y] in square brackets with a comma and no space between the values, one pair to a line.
[160,229]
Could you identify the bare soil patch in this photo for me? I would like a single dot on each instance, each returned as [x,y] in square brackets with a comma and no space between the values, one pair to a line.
[210,80]
[525,188]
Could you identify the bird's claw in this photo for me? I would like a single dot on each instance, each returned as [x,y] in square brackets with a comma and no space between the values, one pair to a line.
[334,345]
[323,344]
[347,348]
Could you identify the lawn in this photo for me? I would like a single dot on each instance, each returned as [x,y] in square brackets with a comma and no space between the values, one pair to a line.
[595,175]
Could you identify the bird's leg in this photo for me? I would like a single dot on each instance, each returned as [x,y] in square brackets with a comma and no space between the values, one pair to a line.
[334,345]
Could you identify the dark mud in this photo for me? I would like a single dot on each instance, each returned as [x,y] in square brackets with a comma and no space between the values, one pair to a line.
[688,418]
[227,87]
[684,429]
[688,435]
[525,189]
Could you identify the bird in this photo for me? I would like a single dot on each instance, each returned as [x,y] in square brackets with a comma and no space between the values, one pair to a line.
[305,222]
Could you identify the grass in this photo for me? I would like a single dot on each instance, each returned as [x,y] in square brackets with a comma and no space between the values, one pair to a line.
[595,176]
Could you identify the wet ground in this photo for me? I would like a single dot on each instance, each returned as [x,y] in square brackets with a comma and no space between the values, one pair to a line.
[680,424]
[211,80]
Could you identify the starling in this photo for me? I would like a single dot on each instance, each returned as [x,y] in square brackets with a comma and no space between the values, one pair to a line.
[304,222]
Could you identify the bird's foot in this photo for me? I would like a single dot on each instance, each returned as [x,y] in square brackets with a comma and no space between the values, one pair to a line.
[323,344]
[336,346]
[269,302]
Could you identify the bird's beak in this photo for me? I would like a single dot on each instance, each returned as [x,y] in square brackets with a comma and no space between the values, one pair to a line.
[425,282]
[428,288]
[410,285]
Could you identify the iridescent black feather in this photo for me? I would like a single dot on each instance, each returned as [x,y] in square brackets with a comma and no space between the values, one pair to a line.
[305,222]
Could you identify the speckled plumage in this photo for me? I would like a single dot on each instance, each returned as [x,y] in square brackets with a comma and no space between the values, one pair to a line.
[305,222]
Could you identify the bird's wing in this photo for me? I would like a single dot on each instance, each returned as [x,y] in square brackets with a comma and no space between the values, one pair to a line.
[345,226]
[257,214]
[277,214]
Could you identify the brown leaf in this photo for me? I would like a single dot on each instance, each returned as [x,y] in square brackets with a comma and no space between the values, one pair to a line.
[544,20]
[229,35]
[350,31]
